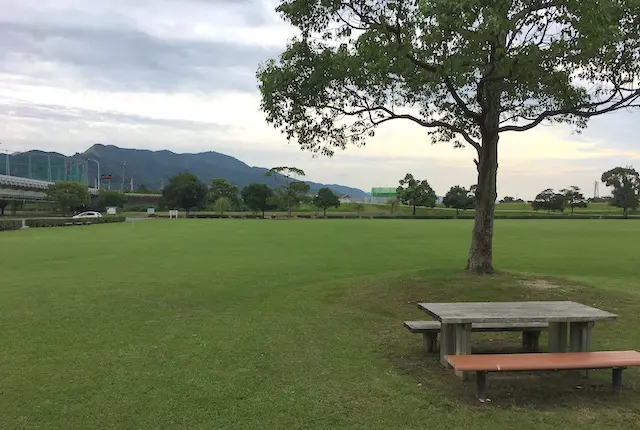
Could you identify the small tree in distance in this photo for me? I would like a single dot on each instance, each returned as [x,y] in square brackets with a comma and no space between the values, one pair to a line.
[326,199]
[292,187]
[626,187]
[257,197]
[69,196]
[359,207]
[393,203]
[458,197]
[222,188]
[222,205]
[185,191]
[574,198]
[3,205]
[414,193]
[108,198]
[548,200]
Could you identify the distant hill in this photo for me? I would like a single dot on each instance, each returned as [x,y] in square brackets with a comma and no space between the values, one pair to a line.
[153,168]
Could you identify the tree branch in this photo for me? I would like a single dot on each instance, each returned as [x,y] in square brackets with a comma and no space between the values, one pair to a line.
[579,111]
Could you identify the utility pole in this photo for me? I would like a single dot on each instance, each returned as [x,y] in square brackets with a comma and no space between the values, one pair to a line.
[132,183]
[7,170]
[596,190]
[49,167]
[124,163]
[98,163]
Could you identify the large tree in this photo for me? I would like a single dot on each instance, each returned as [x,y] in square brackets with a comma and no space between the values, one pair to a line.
[184,191]
[257,197]
[626,187]
[414,192]
[466,71]
[459,198]
[69,197]
[574,198]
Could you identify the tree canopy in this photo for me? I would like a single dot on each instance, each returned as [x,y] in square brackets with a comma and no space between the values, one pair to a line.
[222,188]
[574,198]
[415,193]
[626,187]
[184,191]
[326,199]
[466,71]
[69,197]
[548,200]
[109,198]
[459,198]
[257,197]
[293,191]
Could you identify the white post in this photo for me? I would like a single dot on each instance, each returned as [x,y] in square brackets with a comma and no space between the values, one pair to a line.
[98,163]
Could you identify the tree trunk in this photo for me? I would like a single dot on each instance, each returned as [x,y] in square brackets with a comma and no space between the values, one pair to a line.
[457,212]
[481,250]
[325,212]
[414,210]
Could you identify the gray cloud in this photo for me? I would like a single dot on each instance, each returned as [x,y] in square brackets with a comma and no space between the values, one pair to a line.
[127,59]
[17,111]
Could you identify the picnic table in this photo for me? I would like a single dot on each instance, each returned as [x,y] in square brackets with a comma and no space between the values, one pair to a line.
[562,316]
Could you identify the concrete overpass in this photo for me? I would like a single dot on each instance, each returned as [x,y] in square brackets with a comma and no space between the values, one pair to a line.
[16,188]
[25,189]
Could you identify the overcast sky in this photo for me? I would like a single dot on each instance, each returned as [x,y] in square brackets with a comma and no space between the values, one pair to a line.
[180,75]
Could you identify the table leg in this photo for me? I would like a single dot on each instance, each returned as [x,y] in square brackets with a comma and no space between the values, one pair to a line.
[462,345]
[558,336]
[580,336]
[447,342]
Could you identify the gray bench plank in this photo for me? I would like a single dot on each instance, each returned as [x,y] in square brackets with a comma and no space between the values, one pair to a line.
[530,331]
[427,326]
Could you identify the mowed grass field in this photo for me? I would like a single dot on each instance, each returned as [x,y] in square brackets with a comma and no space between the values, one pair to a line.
[295,324]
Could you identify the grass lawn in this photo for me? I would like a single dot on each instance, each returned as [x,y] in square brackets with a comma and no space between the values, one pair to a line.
[295,324]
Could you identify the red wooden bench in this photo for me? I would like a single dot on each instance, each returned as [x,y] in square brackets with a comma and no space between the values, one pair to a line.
[484,363]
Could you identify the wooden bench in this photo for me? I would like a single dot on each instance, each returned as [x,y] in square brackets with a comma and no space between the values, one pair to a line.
[430,329]
[484,363]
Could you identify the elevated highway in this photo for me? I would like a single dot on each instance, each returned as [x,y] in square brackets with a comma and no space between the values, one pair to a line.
[25,189]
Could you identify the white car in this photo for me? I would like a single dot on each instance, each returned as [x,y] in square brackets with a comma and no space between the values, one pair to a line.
[89,214]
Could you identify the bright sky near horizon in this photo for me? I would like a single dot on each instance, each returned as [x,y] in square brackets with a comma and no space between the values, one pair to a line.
[180,75]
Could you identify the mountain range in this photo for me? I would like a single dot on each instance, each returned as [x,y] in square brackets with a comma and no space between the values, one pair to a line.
[153,168]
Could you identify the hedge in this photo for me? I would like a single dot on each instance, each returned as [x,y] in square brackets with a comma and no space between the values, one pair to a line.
[10,224]
[64,222]
[435,216]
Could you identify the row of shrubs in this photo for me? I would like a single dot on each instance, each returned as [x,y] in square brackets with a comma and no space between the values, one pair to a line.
[64,222]
[10,224]
[453,216]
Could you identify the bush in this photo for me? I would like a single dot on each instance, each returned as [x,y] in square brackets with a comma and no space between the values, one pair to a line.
[64,222]
[10,224]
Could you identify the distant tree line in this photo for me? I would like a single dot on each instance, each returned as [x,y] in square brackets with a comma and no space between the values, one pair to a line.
[185,191]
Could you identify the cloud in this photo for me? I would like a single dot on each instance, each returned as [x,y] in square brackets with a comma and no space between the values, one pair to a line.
[126,59]
[180,75]
[19,111]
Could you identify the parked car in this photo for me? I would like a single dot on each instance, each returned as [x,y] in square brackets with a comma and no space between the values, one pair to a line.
[88,214]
